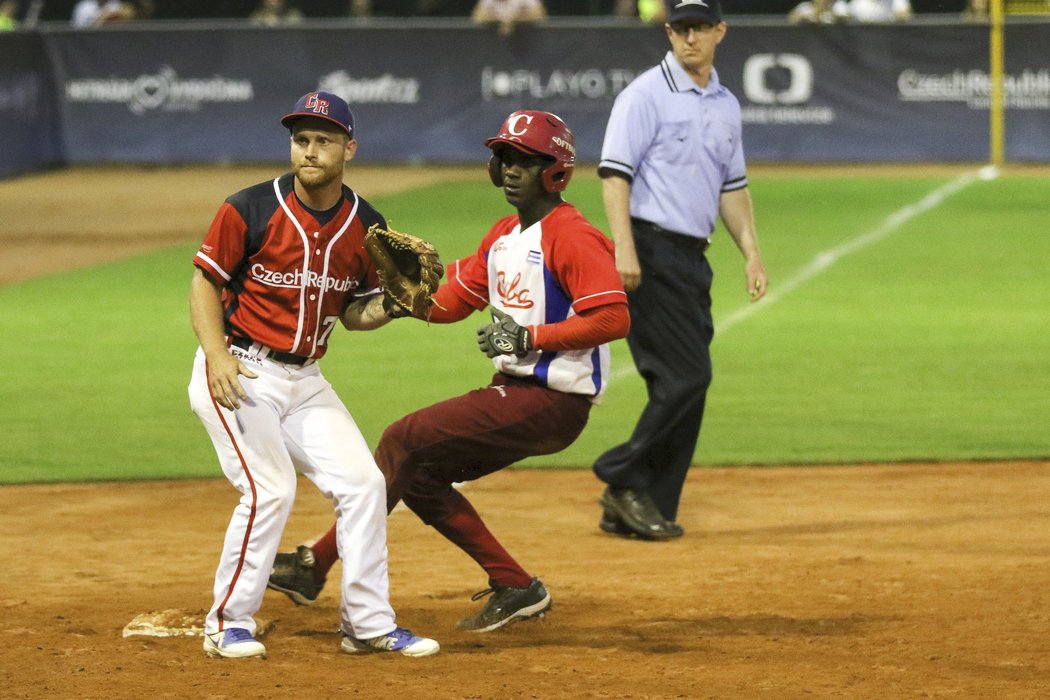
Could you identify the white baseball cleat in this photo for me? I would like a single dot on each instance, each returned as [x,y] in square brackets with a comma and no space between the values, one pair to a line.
[400,640]
[236,643]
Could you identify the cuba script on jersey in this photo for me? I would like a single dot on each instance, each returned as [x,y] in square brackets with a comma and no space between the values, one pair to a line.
[545,274]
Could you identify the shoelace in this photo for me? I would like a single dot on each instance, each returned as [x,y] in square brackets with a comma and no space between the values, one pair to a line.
[481,594]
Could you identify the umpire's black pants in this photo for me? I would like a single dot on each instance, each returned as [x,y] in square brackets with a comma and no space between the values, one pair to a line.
[670,338]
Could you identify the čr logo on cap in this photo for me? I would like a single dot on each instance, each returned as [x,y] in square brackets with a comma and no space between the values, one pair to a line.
[322,105]
[316,104]
[691,2]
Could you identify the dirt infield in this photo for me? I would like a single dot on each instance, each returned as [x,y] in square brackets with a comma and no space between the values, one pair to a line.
[855,582]
[850,582]
[87,216]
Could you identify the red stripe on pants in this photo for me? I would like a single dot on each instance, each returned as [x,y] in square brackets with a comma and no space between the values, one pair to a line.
[251,516]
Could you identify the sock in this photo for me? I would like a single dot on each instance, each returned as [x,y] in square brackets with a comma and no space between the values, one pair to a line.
[325,554]
[465,529]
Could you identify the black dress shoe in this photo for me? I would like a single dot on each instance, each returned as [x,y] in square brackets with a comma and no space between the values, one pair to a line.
[674,529]
[612,524]
[635,512]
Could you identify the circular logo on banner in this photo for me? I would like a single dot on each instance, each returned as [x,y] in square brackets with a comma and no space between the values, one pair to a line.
[762,71]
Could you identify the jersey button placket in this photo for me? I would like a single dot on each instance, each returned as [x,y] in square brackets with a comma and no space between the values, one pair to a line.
[317,266]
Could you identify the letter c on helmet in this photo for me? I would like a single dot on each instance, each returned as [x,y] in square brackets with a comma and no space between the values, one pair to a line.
[512,124]
[543,134]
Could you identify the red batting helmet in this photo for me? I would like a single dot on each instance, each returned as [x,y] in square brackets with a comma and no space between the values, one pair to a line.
[536,133]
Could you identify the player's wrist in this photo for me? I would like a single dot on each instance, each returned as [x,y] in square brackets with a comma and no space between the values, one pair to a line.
[529,340]
[392,309]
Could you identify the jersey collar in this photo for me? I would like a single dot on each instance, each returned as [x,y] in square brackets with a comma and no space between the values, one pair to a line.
[679,81]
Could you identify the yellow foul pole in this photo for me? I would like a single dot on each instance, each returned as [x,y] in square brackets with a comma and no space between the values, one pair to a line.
[997,66]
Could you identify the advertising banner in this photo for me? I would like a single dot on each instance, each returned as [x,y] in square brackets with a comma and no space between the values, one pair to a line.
[417,94]
[29,137]
[1027,93]
[909,92]
[856,92]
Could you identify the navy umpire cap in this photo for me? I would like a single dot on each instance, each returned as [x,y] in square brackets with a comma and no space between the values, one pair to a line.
[323,105]
[703,10]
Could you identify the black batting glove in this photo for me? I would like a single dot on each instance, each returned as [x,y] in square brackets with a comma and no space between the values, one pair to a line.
[504,337]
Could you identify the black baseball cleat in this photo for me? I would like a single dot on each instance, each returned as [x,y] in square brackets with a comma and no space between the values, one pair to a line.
[627,512]
[293,575]
[507,605]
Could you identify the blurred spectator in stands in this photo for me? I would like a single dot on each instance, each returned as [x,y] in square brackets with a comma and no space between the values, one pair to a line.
[409,8]
[360,8]
[976,10]
[138,9]
[274,12]
[878,10]
[507,14]
[7,15]
[819,12]
[89,13]
[651,11]
[8,9]
[829,11]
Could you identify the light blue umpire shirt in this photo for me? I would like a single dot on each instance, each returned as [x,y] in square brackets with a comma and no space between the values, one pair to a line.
[680,145]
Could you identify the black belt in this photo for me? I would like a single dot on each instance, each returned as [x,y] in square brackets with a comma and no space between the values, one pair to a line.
[682,239]
[285,357]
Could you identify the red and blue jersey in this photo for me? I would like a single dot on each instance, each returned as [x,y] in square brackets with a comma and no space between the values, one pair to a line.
[288,272]
[558,267]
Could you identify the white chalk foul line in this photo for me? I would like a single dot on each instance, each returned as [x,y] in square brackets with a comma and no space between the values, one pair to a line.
[826,258]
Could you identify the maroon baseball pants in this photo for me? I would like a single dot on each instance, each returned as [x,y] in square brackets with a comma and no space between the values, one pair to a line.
[469,436]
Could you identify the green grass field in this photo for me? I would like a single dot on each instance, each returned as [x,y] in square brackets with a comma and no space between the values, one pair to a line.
[892,334]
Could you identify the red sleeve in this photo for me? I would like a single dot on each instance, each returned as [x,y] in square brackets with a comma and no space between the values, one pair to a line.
[450,307]
[582,261]
[468,277]
[587,329]
[223,246]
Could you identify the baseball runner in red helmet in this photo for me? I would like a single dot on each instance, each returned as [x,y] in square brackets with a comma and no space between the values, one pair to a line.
[282,264]
[557,300]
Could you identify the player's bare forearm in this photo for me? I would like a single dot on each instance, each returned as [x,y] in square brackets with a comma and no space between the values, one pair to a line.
[207,319]
[738,215]
[206,314]
[365,314]
[616,197]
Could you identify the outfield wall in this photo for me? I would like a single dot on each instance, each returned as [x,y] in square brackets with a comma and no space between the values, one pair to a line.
[162,93]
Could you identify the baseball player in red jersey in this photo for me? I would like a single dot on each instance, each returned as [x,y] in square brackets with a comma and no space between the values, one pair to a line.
[282,263]
[557,299]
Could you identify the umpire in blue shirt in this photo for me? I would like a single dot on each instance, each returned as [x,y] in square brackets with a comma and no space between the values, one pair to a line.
[671,163]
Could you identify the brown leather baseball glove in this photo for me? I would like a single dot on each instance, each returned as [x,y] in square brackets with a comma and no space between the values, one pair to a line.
[409,270]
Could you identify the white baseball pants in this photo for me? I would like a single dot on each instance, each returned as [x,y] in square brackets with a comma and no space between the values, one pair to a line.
[294,419]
